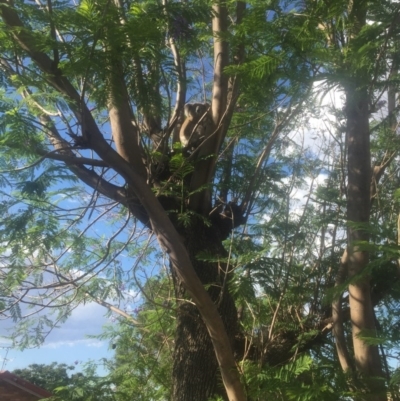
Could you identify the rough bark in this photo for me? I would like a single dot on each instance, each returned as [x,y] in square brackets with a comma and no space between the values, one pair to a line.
[367,359]
[195,371]
[183,267]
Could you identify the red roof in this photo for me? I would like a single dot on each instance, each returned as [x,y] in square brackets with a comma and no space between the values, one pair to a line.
[16,381]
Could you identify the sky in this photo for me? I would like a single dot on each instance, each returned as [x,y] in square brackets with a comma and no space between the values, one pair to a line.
[67,344]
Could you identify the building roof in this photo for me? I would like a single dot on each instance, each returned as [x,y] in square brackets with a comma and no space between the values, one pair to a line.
[24,385]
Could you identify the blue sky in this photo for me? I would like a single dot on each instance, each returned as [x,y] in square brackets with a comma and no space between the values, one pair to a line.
[66,344]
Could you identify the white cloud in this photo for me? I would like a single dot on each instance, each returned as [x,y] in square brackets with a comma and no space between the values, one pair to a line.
[318,122]
[87,319]
[86,342]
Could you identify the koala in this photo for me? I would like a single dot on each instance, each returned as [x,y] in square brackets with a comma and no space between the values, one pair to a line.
[194,128]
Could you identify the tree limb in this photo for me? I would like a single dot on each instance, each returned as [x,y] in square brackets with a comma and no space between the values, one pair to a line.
[222,106]
[337,320]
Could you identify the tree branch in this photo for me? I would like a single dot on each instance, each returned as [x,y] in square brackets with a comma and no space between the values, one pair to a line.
[181,83]
[201,201]
[337,320]
[91,178]
[91,134]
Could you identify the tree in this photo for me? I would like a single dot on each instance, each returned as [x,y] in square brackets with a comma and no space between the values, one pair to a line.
[86,385]
[129,159]
[144,355]
[99,90]
[48,377]
[363,77]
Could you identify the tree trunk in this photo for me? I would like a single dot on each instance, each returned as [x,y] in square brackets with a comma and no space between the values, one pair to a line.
[196,376]
[367,359]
